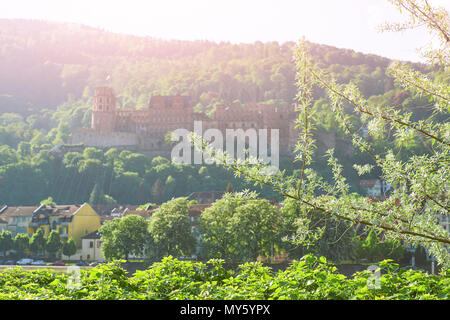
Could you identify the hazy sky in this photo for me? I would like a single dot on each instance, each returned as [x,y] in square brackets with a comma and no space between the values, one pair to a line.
[341,23]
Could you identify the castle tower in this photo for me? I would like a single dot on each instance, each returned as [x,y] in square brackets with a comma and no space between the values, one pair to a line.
[104,111]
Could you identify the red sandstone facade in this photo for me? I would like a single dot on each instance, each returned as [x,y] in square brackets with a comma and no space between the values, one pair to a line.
[146,129]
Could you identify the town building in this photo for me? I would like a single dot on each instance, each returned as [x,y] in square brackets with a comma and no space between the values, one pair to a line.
[205,197]
[375,189]
[71,221]
[16,219]
[91,247]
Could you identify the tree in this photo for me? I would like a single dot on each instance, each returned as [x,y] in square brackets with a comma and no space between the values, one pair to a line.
[48,202]
[7,155]
[24,150]
[240,227]
[6,241]
[158,191]
[435,19]
[217,234]
[62,133]
[108,200]
[125,188]
[256,224]
[91,153]
[304,231]
[420,196]
[124,236]
[111,154]
[97,196]
[169,138]
[72,159]
[420,192]
[21,243]
[135,162]
[375,249]
[69,248]
[170,229]
[229,188]
[169,187]
[53,244]
[37,241]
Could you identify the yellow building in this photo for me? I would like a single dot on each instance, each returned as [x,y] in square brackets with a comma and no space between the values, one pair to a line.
[71,221]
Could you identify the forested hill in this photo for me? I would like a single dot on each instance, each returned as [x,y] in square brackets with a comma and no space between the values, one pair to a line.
[44,64]
[48,71]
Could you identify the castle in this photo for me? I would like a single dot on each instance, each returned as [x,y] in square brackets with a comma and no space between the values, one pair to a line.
[145,130]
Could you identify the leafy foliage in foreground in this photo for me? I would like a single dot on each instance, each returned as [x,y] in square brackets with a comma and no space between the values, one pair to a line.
[415,209]
[309,278]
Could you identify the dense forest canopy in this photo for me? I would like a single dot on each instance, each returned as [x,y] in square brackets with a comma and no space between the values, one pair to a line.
[45,63]
[49,70]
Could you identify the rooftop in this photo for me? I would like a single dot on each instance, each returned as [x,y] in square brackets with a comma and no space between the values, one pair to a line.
[206,196]
[196,210]
[106,218]
[143,213]
[17,211]
[63,211]
[92,235]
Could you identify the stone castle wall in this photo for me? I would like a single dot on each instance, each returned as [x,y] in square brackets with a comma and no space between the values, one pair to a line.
[145,130]
[97,139]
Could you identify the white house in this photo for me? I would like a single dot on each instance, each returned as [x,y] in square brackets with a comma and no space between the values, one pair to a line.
[91,247]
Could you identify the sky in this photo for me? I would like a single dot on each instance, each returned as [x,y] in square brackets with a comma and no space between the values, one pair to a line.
[349,24]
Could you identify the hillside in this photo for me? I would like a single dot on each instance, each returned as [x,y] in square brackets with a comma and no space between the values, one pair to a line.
[49,70]
[43,63]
